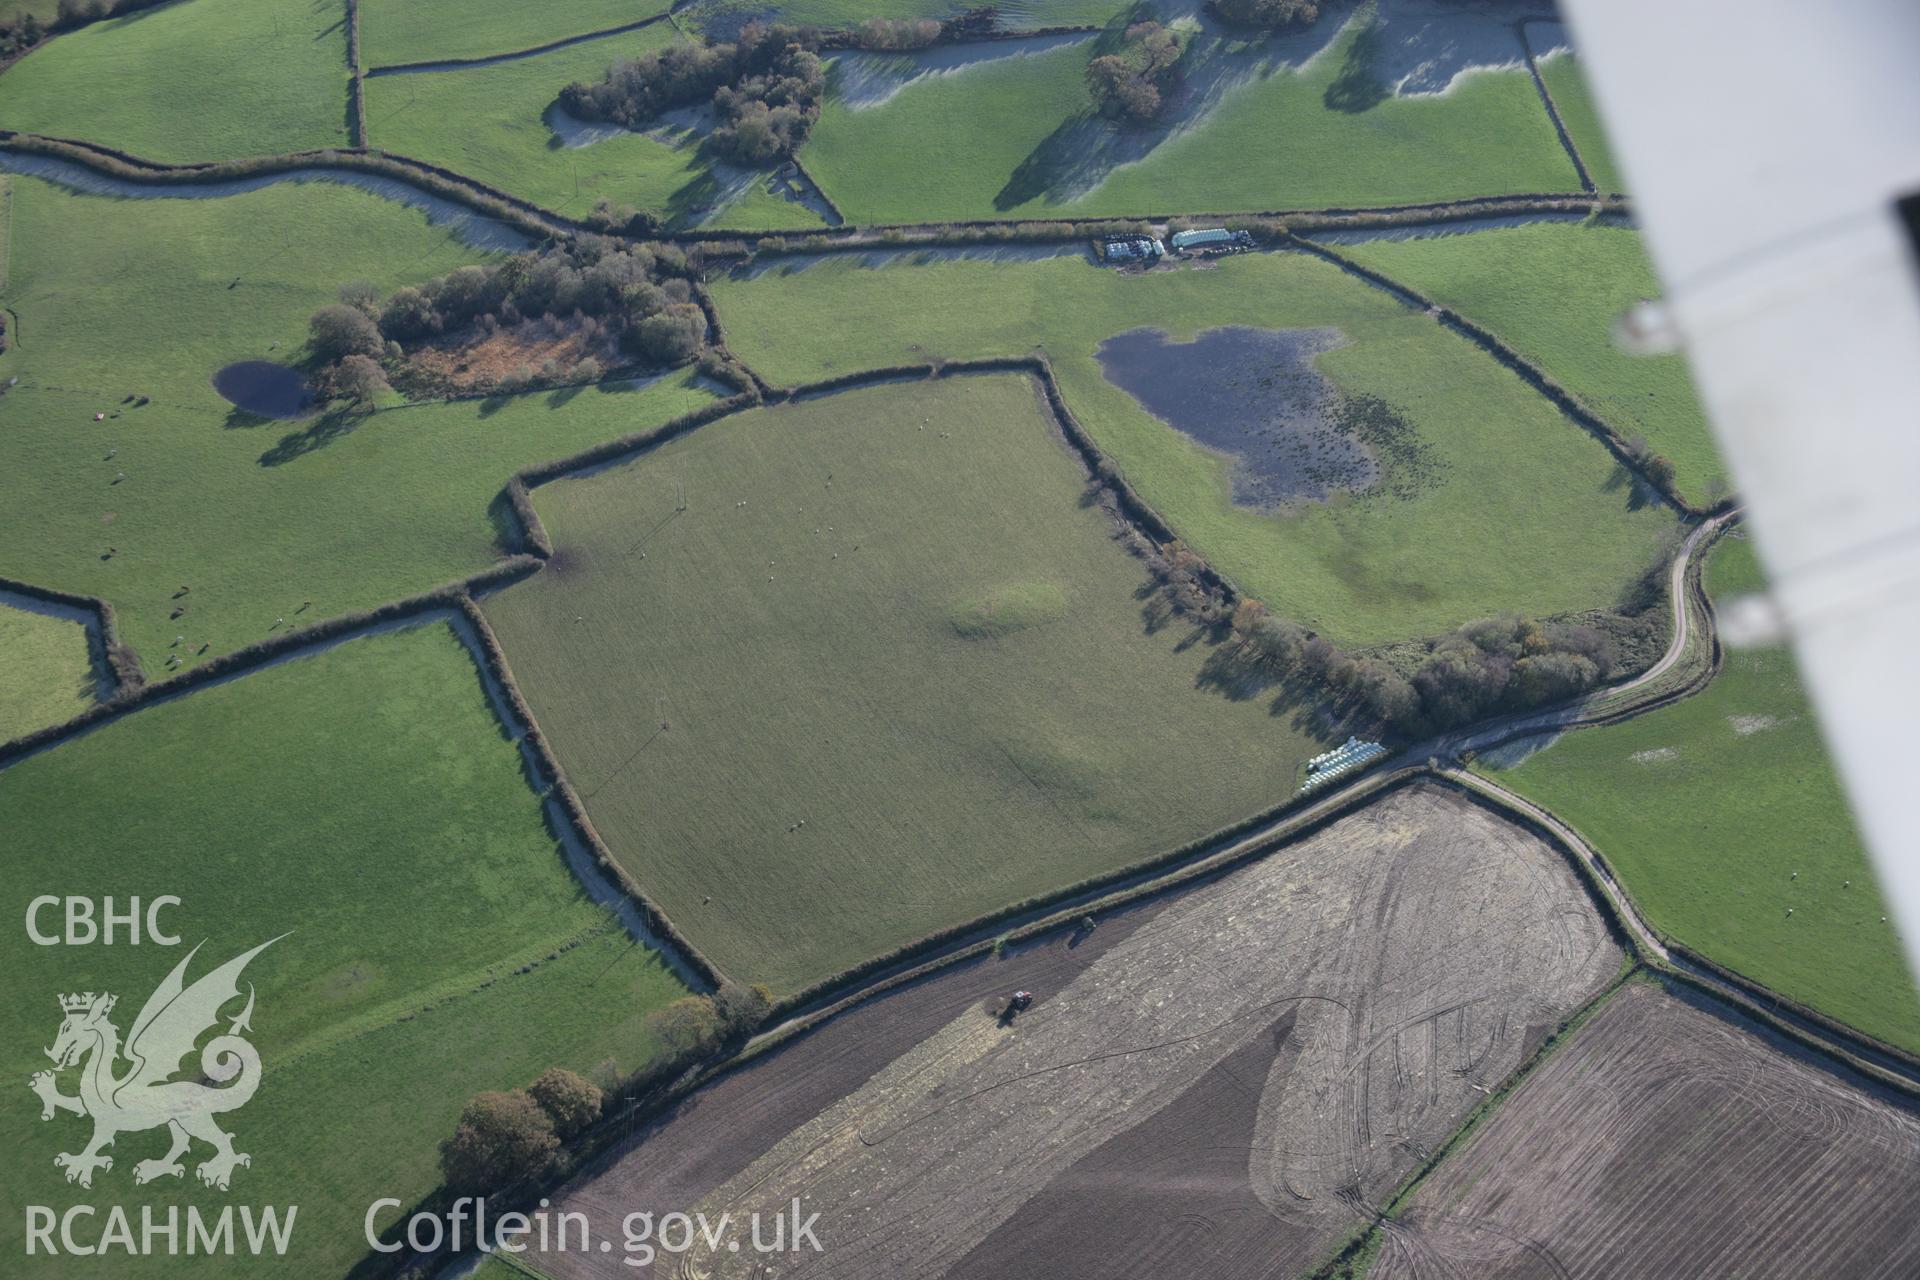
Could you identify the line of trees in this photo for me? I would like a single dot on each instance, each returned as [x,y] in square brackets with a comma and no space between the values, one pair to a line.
[1485,668]
[1266,15]
[898,33]
[23,31]
[766,85]
[507,1138]
[642,294]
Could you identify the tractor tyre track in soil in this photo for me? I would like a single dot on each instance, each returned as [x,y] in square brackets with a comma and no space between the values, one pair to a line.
[1670,1136]
[1366,975]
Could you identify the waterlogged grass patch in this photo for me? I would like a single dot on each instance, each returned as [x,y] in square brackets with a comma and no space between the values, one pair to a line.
[1257,396]
[1006,609]
[1490,502]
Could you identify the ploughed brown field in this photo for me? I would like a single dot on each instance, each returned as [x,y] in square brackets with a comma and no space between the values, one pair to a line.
[1224,1080]
[1668,1139]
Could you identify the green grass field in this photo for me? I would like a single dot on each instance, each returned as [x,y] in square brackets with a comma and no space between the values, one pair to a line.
[196,80]
[1707,810]
[1554,290]
[758,209]
[1015,15]
[10,9]
[1016,137]
[1530,513]
[1574,101]
[365,803]
[396,31]
[490,123]
[119,298]
[48,676]
[953,683]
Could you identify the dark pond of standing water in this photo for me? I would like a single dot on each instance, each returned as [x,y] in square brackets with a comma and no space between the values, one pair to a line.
[263,387]
[1255,395]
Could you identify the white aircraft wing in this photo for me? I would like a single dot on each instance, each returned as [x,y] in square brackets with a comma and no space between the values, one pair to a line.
[1767,146]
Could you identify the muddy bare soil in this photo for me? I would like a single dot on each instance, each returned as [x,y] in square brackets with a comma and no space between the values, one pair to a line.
[1255,396]
[1669,1140]
[1234,1073]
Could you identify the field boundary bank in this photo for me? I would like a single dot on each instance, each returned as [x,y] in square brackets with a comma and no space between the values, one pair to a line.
[1144,881]
[455,601]
[247,658]
[876,971]
[1132,508]
[612,1138]
[429,66]
[538,546]
[839,214]
[524,215]
[1553,109]
[357,103]
[116,667]
[1859,1052]
[1102,469]
[941,232]
[1569,404]
[717,339]
[1680,986]
[614,1129]
[845,44]
[541,222]
[1384,1214]
[494,658]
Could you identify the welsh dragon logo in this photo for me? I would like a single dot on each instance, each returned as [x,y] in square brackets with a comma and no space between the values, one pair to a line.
[145,1095]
